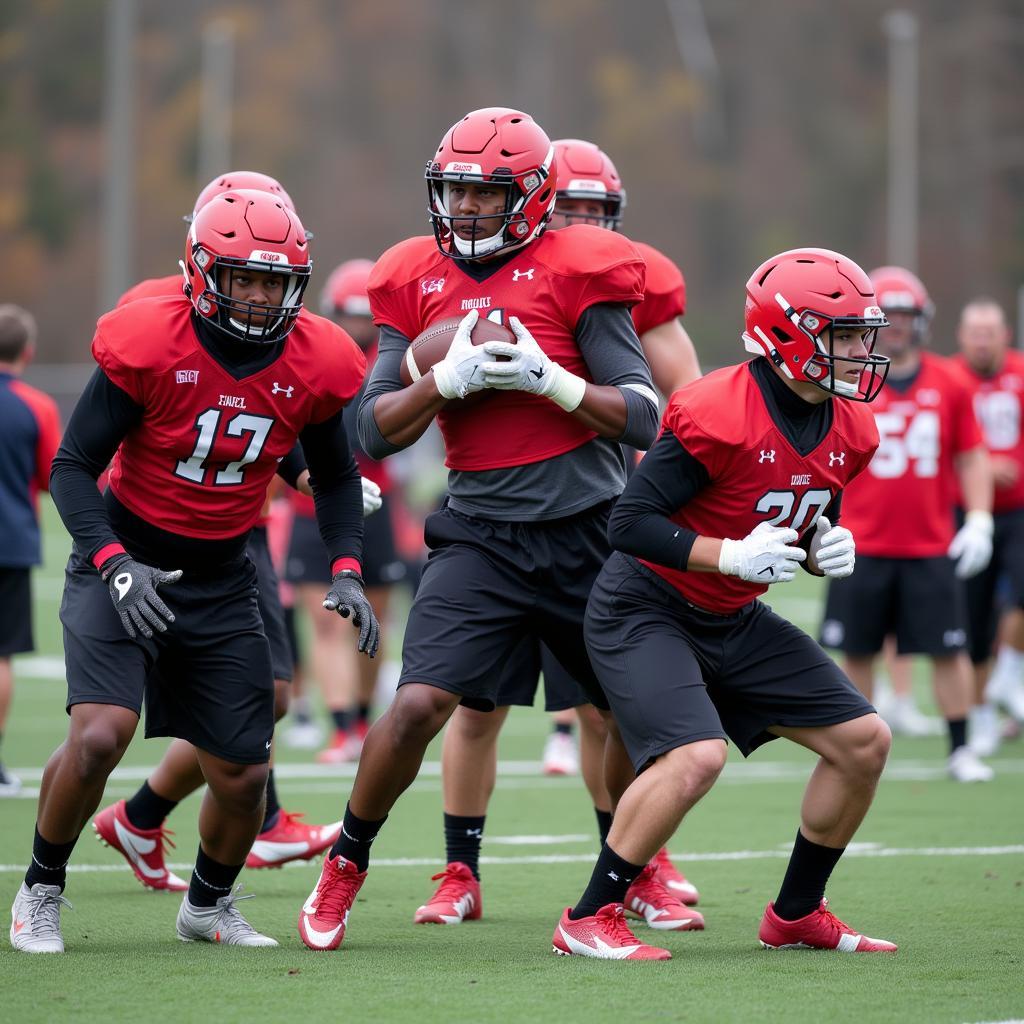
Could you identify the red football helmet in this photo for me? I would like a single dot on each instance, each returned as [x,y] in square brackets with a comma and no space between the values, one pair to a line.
[900,291]
[345,291]
[255,230]
[796,300]
[587,172]
[502,147]
[241,179]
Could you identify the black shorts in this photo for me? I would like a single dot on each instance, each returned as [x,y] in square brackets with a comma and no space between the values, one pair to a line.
[308,561]
[675,674]
[16,614]
[1000,585]
[919,600]
[208,679]
[488,585]
[268,600]
[521,676]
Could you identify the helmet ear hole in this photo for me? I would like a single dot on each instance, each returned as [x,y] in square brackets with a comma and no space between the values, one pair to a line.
[780,335]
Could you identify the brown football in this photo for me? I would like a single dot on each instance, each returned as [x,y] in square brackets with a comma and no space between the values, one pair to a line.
[431,346]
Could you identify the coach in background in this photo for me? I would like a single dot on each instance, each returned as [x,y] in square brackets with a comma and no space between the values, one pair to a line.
[29,436]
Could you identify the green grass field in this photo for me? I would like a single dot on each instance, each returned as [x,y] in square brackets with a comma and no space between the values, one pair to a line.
[938,867]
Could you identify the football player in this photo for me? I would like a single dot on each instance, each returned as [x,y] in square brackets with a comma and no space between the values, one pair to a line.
[196,398]
[743,485]
[534,465]
[912,558]
[995,375]
[136,827]
[590,191]
[347,687]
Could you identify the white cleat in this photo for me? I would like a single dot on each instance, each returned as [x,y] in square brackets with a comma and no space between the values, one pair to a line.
[984,730]
[35,919]
[905,719]
[10,784]
[222,923]
[304,736]
[560,755]
[963,766]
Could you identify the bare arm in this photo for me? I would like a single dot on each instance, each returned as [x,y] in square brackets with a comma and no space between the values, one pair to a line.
[974,471]
[671,356]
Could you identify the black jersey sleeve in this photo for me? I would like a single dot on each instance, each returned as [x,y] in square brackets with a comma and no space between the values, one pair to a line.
[292,466]
[385,377]
[667,478]
[103,416]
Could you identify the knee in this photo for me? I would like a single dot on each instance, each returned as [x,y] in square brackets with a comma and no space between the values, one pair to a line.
[282,698]
[695,767]
[241,789]
[867,754]
[98,746]
[592,722]
[475,726]
[418,712]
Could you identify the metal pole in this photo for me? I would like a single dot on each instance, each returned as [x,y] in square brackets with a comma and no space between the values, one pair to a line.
[215,99]
[119,195]
[902,31]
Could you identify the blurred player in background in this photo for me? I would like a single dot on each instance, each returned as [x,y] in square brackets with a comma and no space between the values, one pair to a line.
[590,191]
[29,436]
[995,375]
[347,682]
[743,485]
[912,560]
[534,466]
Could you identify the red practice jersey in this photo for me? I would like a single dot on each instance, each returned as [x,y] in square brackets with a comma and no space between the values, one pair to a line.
[756,475]
[548,285]
[664,291]
[200,460]
[902,507]
[153,288]
[997,403]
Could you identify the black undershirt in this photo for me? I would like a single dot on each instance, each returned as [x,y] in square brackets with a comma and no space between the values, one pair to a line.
[669,477]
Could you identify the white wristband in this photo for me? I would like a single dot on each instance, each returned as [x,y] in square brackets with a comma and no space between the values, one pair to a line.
[728,562]
[567,390]
[981,518]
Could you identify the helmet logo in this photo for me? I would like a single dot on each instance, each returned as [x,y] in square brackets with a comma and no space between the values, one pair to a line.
[813,370]
[810,322]
[204,305]
[531,181]
[521,228]
[456,167]
[264,256]
[202,258]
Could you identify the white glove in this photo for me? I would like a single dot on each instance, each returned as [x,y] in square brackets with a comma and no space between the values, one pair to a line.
[460,372]
[371,496]
[972,546]
[765,555]
[833,550]
[529,369]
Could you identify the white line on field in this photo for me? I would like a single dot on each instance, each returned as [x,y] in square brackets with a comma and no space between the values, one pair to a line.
[586,858]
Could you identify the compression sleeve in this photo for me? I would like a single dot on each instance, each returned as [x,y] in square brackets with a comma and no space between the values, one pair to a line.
[386,376]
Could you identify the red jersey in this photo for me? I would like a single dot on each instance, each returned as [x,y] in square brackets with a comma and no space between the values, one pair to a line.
[902,507]
[549,285]
[997,403]
[664,291]
[199,461]
[153,288]
[756,475]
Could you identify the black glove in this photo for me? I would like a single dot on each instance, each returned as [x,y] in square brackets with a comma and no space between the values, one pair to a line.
[346,597]
[133,591]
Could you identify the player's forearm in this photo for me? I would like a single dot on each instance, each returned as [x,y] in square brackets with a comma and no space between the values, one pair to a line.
[671,356]
[620,414]
[974,470]
[401,417]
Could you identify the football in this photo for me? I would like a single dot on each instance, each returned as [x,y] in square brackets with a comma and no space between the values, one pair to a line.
[431,346]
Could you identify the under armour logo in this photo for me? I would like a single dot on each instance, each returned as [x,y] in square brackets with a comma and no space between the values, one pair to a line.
[614,877]
[840,458]
[528,274]
[268,744]
[768,456]
[476,833]
[278,390]
[123,583]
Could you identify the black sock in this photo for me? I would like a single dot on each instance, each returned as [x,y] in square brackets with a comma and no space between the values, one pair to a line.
[604,824]
[462,838]
[608,884]
[147,809]
[49,862]
[957,733]
[356,836]
[273,807]
[806,877]
[340,719]
[564,728]
[363,714]
[210,880]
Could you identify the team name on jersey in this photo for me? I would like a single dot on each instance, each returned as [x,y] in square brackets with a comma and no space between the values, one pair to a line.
[232,401]
[484,303]
[186,376]
[800,480]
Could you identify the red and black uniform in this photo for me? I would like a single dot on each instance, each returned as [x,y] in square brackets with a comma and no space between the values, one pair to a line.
[999,404]
[522,535]
[685,656]
[196,426]
[901,512]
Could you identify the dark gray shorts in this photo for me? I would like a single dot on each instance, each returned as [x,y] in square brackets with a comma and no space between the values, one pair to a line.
[522,674]
[268,600]
[15,611]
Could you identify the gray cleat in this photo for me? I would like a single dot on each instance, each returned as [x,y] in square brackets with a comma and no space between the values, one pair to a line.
[222,923]
[35,919]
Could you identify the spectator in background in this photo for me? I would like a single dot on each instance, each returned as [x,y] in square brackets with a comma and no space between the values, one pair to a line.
[29,436]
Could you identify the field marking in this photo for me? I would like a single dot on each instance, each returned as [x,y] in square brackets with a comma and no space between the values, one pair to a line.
[588,858]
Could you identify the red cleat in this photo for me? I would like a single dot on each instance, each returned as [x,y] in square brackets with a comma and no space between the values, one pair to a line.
[335,751]
[605,936]
[143,848]
[457,898]
[290,839]
[820,929]
[674,880]
[324,916]
[647,898]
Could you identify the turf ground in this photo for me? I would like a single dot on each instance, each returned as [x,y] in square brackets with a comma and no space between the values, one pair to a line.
[937,867]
